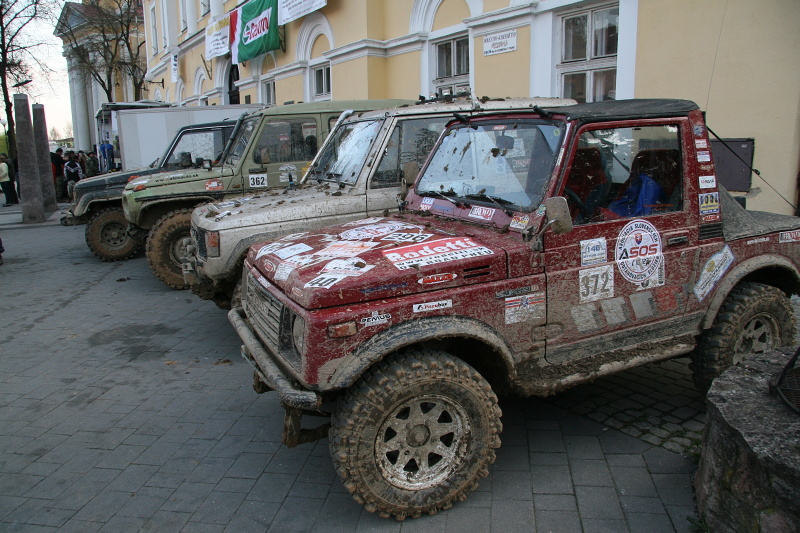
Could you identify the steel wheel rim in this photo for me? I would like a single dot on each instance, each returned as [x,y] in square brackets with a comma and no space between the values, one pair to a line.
[178,251]
[422,441]
[757,336]
[113,234]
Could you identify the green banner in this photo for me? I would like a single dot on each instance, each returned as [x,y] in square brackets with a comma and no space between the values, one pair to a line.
[256,30]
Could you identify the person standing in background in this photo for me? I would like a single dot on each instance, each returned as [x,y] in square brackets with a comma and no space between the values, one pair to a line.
[6,183]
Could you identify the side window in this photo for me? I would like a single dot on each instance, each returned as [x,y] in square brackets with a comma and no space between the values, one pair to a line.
[625,172]
[286,140]
[408,147]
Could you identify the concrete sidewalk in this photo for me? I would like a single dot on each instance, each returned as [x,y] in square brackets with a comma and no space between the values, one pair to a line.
[11,216]
[124,406]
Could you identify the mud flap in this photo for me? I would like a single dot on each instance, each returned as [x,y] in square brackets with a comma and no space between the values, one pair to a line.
[294,435]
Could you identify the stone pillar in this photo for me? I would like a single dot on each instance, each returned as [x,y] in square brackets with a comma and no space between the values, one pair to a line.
[31,191]
[78,93]
[43,158]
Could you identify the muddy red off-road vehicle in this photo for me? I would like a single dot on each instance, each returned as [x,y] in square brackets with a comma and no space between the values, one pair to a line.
[538,249]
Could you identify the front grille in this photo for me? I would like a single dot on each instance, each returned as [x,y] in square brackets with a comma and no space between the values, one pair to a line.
[272,322]
[199,237]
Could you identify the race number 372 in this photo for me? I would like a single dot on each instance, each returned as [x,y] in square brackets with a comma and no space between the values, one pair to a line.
[258,180]
[597,283]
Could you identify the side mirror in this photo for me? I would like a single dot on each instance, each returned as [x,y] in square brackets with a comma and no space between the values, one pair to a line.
[207,164]
[558,215]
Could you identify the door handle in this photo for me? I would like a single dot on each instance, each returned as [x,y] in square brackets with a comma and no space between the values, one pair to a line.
[672,241]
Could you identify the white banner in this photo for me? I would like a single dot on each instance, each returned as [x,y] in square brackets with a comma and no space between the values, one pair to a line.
[289,10]
[218,37]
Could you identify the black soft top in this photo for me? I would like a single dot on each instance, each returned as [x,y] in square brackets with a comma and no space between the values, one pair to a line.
[626,109]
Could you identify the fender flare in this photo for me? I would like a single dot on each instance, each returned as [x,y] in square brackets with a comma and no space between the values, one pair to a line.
[740,271]
[413,332]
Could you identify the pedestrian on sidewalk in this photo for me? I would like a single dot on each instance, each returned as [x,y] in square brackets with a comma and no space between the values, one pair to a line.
[6,183]
[73,173]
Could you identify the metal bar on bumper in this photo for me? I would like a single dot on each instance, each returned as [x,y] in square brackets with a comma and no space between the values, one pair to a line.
[272,374]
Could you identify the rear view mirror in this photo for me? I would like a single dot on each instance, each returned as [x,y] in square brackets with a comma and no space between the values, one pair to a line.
[558,215]
[207,164]
[505,143]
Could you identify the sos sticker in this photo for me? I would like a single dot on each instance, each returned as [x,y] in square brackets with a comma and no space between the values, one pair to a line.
[638,251]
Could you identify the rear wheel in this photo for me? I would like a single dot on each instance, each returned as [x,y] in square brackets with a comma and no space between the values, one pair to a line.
[167,247]
[415,434]
[106,236]
[755,318]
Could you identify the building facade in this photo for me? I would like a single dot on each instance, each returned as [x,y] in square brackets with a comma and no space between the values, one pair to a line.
[735,58]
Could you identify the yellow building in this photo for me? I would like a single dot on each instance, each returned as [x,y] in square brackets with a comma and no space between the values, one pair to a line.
[736,58]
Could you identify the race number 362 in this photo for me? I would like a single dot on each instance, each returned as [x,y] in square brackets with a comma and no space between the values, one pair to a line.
[258,180]
[597,283]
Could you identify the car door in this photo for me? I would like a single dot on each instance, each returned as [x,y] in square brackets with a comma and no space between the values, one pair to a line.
[284,147]
[619,279]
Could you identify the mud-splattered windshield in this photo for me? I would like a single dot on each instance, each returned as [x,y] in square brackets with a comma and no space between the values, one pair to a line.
[239,144]
[345,152]
[500,162]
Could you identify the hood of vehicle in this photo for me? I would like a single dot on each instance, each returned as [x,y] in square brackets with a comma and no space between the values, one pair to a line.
[380,257]
[113,179]
[269,207]
[176,177]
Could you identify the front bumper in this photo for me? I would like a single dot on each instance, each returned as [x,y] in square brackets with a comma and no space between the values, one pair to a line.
[254,352]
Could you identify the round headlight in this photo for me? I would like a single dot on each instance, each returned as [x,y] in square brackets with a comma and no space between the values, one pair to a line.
[299,334]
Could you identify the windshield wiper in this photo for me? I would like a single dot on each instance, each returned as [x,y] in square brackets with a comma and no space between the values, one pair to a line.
[499,202]
[440,195]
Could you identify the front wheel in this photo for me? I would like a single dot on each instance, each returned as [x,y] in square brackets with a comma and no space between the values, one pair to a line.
[755,318]
[415,434]
[106,236]
[167,247]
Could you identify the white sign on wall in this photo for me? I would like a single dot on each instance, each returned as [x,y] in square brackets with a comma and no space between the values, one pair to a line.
[174,68]
[289,10]
[498,43]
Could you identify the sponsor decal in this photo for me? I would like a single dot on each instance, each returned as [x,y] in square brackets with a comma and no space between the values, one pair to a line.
[407,237]
[593,251]
[541,210]
[435,252]
[709,203]
[701,144]
[269,248]
[699,130]
[446,209]
[284,270]
[482,213]
[288,173]
[269,266]
[765,239]
[289,251]
[710,218]
[432,306]
[426,203]
[708,182]
[596,283]
[387,287]
[325,281]
[520,222]
[214,185]
[297,292]
[375,319]
[712,272]
[346,248]
[371,231]
[703,156]
[789,236]
[656,280]
[638,251]
[514,292]
[364,221]
[352,266]
[524,307]
[293,236]
[433,279]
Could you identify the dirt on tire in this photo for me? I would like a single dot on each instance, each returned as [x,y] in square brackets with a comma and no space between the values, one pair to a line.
[754,318]
[106,235]
[167,238]
[415,434]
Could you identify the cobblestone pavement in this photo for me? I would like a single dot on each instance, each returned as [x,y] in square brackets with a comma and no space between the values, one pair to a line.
[124,406]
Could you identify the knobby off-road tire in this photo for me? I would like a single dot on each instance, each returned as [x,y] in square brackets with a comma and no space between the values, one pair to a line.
[755,318]
[166,246]
[106,237]
[415,434]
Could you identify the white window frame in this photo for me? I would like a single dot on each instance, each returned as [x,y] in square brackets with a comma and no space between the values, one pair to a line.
[205,7]
[325,93]
[164,24]
[182,7]
[153,30]
[454,83]
[268,92]
[593,64]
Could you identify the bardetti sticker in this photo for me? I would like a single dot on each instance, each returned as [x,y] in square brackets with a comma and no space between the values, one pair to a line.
[638,251]
[435,252]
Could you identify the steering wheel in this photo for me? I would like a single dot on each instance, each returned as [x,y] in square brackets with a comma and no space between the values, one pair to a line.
[573,198]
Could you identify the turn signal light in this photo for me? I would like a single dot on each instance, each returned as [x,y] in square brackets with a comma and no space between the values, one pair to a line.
[346,329]
[140,187]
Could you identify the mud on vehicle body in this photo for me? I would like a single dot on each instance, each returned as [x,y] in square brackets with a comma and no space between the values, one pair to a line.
[539,250]
[269,148]
[97,201]
[359,172]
